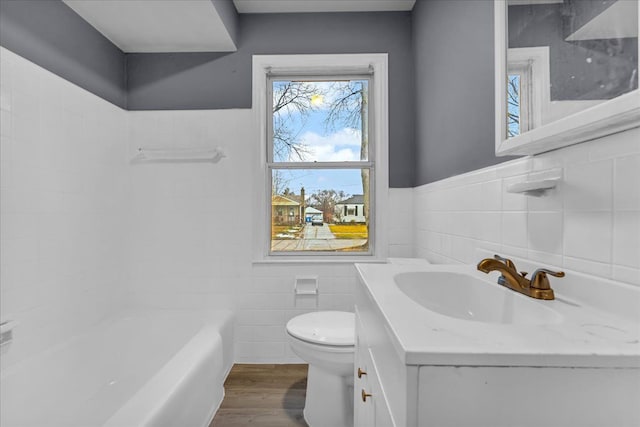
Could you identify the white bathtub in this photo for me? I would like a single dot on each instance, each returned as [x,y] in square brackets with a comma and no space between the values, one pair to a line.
[151,368]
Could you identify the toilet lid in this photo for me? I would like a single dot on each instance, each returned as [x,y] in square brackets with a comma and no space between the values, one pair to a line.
[324,327]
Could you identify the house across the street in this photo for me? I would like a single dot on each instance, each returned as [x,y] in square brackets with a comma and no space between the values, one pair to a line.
[286,209]
[351,209]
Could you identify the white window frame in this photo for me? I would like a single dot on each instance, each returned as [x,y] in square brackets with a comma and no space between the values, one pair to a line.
[319,65]
[532,64]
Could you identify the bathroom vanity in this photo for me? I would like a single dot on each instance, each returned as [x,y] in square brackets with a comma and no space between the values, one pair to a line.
[447,346]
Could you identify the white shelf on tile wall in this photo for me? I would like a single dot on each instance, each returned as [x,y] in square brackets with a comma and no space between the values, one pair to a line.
[180,155]
[6,331]
[529,186]
[7,326]
[537,182]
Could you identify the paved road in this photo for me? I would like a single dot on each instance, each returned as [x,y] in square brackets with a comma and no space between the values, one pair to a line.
[316,238]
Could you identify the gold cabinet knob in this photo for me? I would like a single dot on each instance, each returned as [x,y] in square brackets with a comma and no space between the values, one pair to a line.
[365,395]
[361,373]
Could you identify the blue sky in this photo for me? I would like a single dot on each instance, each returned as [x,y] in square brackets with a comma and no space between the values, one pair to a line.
[324,144]
[514,127]
[348,181]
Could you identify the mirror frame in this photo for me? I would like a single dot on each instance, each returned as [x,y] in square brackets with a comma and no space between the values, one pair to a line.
[615,115]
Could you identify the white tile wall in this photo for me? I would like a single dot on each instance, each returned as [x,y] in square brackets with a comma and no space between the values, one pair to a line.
[190,222]
[62,190]
[401,232]
[192,230]
[589,223]
[85,231]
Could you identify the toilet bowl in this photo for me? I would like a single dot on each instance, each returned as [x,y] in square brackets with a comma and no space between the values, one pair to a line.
[326,340]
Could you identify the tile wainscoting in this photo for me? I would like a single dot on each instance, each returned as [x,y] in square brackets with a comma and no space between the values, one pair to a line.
[590,222]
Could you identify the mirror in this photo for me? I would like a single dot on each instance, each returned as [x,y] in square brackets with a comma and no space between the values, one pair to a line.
[566,72]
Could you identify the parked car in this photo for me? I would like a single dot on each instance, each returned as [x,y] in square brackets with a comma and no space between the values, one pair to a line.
[317,220]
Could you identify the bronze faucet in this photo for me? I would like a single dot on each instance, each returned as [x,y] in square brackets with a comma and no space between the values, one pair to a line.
[538,287]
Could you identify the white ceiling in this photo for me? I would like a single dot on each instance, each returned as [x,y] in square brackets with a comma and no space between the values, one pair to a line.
[195,25]
[288,6]
[157,25]
[617,21]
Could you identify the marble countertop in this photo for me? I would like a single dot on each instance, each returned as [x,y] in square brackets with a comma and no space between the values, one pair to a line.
[589,333]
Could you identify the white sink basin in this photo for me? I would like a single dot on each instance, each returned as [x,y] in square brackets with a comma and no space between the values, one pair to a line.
[463,296]
[454,315]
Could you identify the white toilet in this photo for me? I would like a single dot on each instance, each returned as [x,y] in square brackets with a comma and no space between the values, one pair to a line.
[326,340]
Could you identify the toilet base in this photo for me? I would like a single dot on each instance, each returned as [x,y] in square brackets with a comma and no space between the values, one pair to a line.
[329,401]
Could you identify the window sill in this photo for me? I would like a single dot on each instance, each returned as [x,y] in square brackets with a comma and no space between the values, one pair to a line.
[318,260]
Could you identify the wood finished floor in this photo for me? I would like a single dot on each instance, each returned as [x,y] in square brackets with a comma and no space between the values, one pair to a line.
[263,396]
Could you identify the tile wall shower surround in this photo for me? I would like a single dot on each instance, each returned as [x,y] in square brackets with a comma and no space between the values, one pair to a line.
[85,232]
[191,228]
[590,222]
[63,187]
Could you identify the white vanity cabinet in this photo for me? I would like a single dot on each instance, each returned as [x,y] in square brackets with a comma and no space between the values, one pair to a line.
[448,374]
[370,405]
[383,374]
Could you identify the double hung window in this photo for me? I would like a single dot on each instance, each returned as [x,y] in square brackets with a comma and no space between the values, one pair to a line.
[319,156]
[324,162]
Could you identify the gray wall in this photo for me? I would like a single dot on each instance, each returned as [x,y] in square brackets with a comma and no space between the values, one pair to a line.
[50,34]
[229,16]
[223,80]
[452,91]
[612,69]
[454,87]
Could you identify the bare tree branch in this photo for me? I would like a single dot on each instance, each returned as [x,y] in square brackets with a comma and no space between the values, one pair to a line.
[351,108]
[291,107]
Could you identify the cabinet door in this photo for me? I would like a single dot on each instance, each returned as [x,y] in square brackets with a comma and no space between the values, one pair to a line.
[370,406]
[363,403]
[382,414]
[363,411]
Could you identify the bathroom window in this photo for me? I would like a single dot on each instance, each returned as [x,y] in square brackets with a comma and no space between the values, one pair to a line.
[516,120]
[527,89]
[318,142]
[321,151]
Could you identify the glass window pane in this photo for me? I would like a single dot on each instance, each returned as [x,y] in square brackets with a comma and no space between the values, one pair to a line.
[320,121]
[320,210]
[513,105]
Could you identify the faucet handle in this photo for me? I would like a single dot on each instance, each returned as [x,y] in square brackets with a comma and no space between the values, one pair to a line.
[540,280]
[507,261]
[546,271]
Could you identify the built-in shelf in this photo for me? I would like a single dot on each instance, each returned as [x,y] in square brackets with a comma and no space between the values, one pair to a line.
[528,186]
[6,331]
[536,183]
